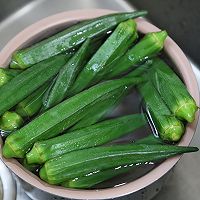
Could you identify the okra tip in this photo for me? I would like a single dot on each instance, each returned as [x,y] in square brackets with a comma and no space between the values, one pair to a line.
[187,112]
[159,37]
[33,156]
[186,149]
[8,152]
[14,65]
[189,149]
[174,132]
[162,35]
[10,121]
[43,174]
[194,149]
[11,148]
[142,12]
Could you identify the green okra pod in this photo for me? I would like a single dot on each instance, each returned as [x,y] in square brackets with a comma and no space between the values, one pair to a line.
[119,41]
[92,179]
[99,111]
[64,115]
[65,167]
[91,136]
[149,45]
[69,38]
[168,126]
[67,76]
[172,90]
[28,81]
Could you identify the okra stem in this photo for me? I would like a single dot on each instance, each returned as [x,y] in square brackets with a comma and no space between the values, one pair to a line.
[10,121]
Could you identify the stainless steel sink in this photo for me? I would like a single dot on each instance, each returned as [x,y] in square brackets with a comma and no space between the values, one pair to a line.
[15,15]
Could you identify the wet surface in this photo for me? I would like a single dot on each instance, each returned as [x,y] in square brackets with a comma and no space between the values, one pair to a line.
[179,17]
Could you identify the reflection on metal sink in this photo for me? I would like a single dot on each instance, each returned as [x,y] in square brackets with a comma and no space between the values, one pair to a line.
[8,7]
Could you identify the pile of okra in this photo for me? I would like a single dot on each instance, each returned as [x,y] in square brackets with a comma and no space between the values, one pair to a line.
[55,97]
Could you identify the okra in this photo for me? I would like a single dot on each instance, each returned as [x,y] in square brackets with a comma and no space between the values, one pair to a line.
[70,38]
[92,179]
[91,136]
[173,91]
[151,44]
[104,107]
[62,116]
[118,42]
[31,104]
[28,81]
[6,75]
[168,126]
[67,75]
[111,96]
[99,111]
[10,121]
[65,167]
